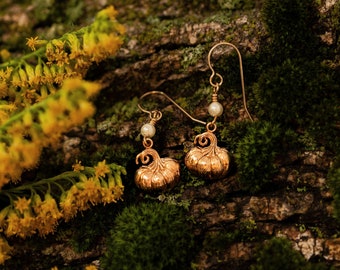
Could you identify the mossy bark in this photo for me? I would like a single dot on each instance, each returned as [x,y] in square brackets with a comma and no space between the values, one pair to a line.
[166,49]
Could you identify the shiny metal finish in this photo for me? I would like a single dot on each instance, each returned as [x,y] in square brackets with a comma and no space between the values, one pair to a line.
[206,159]
[156,173]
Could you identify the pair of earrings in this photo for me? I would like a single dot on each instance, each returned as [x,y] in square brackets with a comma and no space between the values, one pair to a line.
[206,159]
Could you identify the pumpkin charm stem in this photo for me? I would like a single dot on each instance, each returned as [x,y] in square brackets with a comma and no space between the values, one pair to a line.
[156,173]
[206,159]
[159,174]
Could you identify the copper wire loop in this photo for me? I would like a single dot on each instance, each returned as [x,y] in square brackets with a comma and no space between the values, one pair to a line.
[217,84]
[147,142]
[154,117]
[220,77]
[154,114]
[211,126]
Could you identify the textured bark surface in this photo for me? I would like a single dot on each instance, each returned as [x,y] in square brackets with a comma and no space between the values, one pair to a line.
[299,207]
[166,48]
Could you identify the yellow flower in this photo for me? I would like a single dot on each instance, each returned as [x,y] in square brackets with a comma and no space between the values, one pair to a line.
[107,12]
[48,77]
[111,195]
[3,89]
[23,78]
[60,57]
[60,44]
[74,44]
[108,196]
[16,81]
[27,225]
[5,249]
[6,74]
[68,203]
[91,191]
[24,153]
[30,154]
[48,215]
[120,28]
[32,42]
[48,123]
[29,96]
[3,257]
[86,109]
[90,44]
[101,169]
[49,208]
[22,204]
[110,43]
[13,224]
[77,167]
[27,119]
[56,108]
[5,55]
[91,88]
[91,267]
[81,65]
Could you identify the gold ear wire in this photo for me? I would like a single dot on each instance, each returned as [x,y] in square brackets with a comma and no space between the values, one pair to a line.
[218,84]
[171,100]
[156,173]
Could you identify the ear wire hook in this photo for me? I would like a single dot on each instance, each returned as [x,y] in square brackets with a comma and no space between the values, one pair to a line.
[218,84]
[171,100]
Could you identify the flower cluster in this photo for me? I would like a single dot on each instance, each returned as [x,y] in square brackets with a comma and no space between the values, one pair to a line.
[43,96]
[31,78]
[40,212]
[24,135]
[104,185]
[5,249]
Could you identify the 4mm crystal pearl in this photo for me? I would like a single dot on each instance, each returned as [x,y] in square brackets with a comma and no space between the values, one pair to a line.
[148,130]
[215,109]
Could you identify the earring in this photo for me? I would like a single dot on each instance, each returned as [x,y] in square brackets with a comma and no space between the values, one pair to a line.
[206,159]
[156,173]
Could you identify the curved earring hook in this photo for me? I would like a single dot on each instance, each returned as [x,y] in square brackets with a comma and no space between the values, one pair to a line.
[218,84]
[171,100]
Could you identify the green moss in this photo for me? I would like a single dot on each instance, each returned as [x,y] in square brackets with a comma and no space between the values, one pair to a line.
[278,252]
[192,55]
[234,132]
[85,231]
[149,236]
[236,4]
[255,155]
[223,17]
[244,231]
[300,95]
[284,93]
[156,29]
[120,112]
[291,24]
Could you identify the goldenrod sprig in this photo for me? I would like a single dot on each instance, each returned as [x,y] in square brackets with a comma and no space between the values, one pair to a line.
[23,136]
[39,210]
[42,96]
[30,78]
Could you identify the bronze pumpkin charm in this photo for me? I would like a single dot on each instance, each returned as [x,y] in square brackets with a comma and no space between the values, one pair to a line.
[207,160]
[160,174]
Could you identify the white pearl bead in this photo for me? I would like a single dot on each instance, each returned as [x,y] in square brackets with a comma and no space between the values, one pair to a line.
[148,130]
[215,109]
